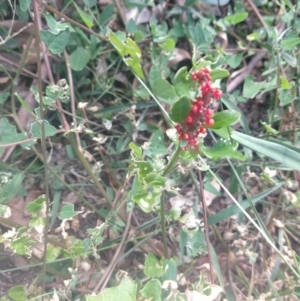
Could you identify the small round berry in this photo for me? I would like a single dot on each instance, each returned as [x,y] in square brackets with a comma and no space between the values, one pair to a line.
[217,93]
[195,109]
[192,142]
[200,103]
[210,122]
[206,87]
[208,112]
[203,130]
[185,136]
[189,120]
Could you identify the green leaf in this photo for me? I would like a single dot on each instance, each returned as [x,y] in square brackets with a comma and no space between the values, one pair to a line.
[107,13]
[193,242]
[56,43]
[8,133]
[25,4]
[147,200]
[125,291]
[157,145]
[36,129]
[180,109]
[17,293]
[225,118]
[129,51]
[287,96]
[54,26]
[163,90]
[234,209]
[181,83]
[154,267]
[237,18]
[87,19]
[4,97]
[289,43]
[36,205]
[234,60]
[10,187]
[223,149]
[67,212]
[218,74]
[152,290]
[90,3]
[275,151]
[79,58]
[285,84]
[251,88]
[136,153]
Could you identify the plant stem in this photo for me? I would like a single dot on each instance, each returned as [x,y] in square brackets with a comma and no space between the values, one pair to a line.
[168,168]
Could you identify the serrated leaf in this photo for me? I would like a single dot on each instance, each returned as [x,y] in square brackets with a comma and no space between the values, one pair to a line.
[67,212]
[223,150]
[87,19]
[153,267]
[79,58]
[36,129]
[163,90]
[225,118]
[218,74]
[56,43]
[275,151]
[180,109]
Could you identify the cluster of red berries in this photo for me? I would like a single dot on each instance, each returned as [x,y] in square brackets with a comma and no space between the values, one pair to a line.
[200,115]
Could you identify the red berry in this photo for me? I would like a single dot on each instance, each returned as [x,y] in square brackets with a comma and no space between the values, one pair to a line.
[195,109]
[208,112]
[203,130]
[200,102]
[206,87]
[185,136]
[189,120]
[194,76]
[192,142]
[210,122]
[217,93]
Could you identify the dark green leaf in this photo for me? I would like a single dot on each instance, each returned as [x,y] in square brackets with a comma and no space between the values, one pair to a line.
[180,109]
[56,43]
[79,58]
[163,90]
[25,4]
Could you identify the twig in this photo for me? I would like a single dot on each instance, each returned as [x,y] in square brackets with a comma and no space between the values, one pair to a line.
[72,97]
[106,275]
[43,140]
[206,226]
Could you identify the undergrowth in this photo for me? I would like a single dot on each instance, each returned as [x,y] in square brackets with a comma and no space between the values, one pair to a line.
[150,151]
